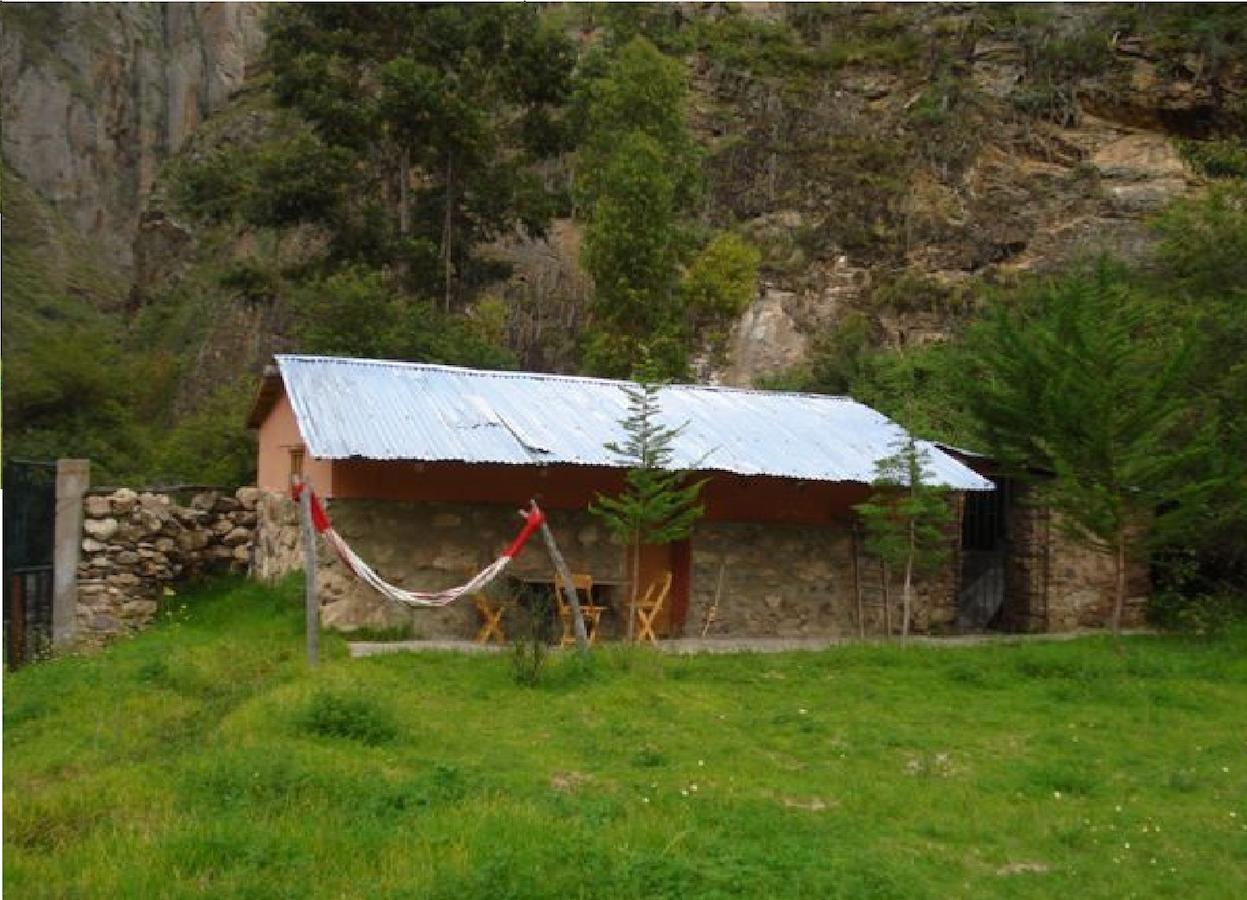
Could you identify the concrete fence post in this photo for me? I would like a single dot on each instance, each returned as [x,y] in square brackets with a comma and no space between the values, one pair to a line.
[73,477]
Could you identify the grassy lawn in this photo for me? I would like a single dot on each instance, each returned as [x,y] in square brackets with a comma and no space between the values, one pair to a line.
[202,758]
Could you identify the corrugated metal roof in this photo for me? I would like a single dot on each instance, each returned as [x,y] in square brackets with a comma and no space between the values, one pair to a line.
[378,409]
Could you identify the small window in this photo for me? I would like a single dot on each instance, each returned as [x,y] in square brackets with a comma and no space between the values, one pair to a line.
[296,462]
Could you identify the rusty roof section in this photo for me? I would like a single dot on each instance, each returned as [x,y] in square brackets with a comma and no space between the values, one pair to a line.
[384,410]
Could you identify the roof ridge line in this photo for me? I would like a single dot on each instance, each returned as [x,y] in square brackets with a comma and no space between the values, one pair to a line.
[519,373]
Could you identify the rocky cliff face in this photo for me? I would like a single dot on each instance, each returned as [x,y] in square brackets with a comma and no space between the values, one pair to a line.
[937,152]
[884,183]
[97,96]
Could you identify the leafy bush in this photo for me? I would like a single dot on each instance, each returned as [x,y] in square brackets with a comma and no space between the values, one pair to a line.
[1206,616]
[356,312]
[211,187]
[719,284]
[1222,158]
[353,716]
[213,444]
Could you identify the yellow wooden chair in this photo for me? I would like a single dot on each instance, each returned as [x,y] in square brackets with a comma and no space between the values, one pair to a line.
[649,606]
[490,610]
[491,619]
[592,614]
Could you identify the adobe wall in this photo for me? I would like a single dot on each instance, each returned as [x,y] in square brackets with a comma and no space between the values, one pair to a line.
[277,436]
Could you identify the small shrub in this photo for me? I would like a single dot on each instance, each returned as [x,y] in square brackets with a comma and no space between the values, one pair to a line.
[529,651]
[348,715]
[1208,616]
[1205,615]
[1217,158]
[152,671]
[649,757]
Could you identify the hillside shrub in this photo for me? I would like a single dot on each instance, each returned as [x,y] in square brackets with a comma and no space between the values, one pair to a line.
[349,715]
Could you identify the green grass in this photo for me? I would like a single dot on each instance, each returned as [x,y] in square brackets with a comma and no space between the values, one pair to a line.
[203,759]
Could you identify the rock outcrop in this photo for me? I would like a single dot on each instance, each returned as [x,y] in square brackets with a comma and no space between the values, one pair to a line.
[97,96]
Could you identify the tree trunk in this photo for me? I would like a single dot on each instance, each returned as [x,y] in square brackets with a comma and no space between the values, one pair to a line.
[905,597]
[404,205]
[906,604]
[448,225]
[635,589]
[1119,581]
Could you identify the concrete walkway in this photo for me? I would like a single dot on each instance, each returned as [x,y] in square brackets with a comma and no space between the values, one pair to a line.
[747,645]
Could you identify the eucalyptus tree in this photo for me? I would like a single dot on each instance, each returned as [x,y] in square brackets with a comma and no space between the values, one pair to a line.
[446,106]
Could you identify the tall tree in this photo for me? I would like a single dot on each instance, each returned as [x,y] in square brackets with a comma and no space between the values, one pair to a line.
[630,249]
[448,104]
[1081,379]
[907,519]
[637,184]
[1203,277]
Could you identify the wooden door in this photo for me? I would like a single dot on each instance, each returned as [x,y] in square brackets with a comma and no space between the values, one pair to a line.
[655,561]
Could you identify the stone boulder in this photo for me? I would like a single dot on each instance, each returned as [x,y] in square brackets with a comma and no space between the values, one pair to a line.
[123,501]
[204,502]
[248,497]
[236,537]
[101,529]
[97,507]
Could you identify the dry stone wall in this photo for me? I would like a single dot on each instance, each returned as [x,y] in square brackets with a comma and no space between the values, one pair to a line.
[137,545]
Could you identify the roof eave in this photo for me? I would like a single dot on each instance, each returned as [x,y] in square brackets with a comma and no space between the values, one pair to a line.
[269,392]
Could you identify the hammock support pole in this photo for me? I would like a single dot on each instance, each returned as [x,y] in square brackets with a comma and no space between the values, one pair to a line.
[309,568]
[569,589]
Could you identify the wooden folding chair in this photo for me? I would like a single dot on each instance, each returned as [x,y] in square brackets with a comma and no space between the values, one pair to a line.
[649,606]
[592,614]
[491,620]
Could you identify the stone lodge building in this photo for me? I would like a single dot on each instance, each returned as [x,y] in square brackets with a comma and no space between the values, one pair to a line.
[423,468]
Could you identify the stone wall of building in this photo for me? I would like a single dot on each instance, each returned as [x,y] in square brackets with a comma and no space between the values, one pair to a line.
[426,546]
[780,580]
[799,581]
[135,546]
[1081,586]
[1057,582]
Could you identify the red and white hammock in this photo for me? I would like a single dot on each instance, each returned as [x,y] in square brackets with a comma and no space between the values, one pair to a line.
[320,522]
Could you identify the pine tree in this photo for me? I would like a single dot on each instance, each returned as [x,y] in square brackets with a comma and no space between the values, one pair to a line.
[659,504]
[1081,380]
[907,520]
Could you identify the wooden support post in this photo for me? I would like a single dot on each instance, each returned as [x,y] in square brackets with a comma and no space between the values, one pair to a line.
[569,589]
[713,613]
[309,567]
[884,576]
[857,584]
